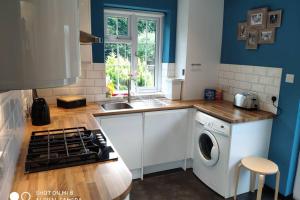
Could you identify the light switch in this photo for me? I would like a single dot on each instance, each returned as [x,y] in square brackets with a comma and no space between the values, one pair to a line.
[289,78]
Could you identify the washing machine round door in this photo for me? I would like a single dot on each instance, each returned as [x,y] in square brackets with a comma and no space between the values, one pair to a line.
[208,148]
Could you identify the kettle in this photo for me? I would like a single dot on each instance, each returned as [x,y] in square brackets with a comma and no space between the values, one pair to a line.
[40,114]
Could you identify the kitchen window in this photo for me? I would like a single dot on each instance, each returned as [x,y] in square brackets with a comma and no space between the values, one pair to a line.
[133,46]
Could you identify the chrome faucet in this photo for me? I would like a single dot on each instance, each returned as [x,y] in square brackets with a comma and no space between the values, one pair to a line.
[129,90]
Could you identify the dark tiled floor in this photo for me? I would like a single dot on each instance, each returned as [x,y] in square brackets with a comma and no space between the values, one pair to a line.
[180,185]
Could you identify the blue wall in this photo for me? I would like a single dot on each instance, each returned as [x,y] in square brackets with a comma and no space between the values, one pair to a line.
[284,53]
[168,7]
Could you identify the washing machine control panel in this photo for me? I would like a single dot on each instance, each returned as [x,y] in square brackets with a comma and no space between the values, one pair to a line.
[213,124]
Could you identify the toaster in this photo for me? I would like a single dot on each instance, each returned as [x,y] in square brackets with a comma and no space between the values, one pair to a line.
[246,100]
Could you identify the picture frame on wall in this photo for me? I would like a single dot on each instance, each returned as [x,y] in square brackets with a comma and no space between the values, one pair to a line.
[266,36]
[274,19]
[252,40]
[257,18]
[242,33]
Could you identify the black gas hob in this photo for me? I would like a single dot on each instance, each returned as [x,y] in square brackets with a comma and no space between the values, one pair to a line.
[53,149]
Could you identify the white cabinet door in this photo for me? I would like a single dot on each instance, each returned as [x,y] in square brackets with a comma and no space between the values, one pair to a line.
[40,46]
[126,134]
[205,31]
[165,136]
[199,38]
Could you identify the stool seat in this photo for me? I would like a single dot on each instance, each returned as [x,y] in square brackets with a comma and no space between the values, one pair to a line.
[260,165]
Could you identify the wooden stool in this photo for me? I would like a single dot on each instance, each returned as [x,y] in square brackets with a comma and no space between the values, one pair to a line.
[261,167]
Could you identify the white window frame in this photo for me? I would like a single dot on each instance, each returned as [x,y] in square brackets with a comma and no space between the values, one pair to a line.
[133,16]
[117,39]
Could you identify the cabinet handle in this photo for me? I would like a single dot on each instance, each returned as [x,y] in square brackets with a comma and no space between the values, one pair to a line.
[196,64]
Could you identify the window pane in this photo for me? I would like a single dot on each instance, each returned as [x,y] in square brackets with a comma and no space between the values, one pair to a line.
[117,26]
[146,52]
[111,26]
[123,26]
[117,63]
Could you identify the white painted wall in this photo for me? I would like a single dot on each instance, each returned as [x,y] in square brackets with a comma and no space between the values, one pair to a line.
[201,55]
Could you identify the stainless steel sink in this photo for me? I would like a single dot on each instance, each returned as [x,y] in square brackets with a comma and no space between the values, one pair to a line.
[148,103]
[116,106]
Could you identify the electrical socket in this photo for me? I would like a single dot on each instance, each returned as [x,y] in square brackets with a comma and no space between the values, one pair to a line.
[274,99]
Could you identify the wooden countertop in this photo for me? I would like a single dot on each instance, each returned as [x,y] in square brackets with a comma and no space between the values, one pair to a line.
[101,181]
[227,112]
[110,180]
[223,110]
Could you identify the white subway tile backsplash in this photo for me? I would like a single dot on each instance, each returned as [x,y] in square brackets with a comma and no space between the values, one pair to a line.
[90,98]
[83,74]
[91,82]
[87,66]
[274,72]
[168,70]
[77,90]
[223,81]
[90,90]
[228,97]
[94,90]
[61,91]
[240,76]
[251,78]
[276,82]
[94,74]
[221,74]
[85,82]
[262,71]
[271,90]
[244,85]
[226,67]
[264,81]
[171,70]
[45,92]
[228,75]
[258,87]
[99,66]
[100,82]
[233,83]
[86,52]
[51,100]
[246,69]
[100,97]
[225,88]
[268,107]
[13,105]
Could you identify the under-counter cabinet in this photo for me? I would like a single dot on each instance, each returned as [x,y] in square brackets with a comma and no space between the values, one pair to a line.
[152,141]
[165,136]
[126,134]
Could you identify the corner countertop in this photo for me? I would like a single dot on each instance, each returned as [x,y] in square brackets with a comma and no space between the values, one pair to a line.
[223,110]
[109,180]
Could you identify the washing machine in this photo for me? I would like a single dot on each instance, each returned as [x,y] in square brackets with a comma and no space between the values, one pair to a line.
[211,152]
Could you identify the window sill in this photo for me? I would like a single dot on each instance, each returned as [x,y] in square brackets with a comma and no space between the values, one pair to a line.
[152,95]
